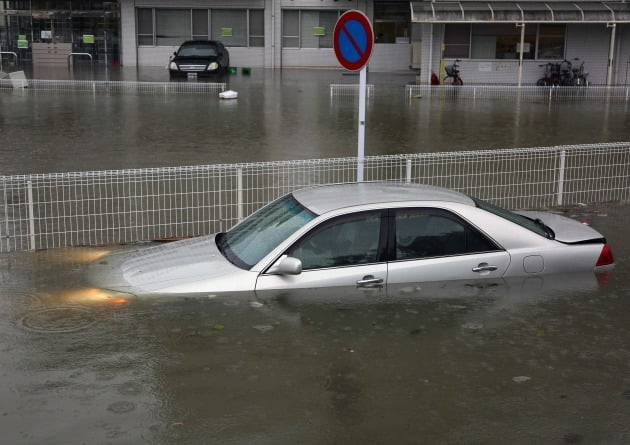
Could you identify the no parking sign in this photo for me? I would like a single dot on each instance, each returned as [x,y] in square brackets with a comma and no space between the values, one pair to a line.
[353,40]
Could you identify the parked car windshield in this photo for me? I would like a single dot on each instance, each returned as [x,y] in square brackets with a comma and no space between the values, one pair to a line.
[535,226]
[257,235]
[197,50]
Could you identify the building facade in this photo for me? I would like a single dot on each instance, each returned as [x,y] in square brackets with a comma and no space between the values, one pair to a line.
[495,42]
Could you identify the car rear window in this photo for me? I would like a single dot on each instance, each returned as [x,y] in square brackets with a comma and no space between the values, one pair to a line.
[530,224]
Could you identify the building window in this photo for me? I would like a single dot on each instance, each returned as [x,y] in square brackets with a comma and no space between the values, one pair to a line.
[170,27]
[308,28]
[457,41]
[256,27]
[502,41]
[145,26]
[551,41]
[200,24]
[290,29]
[391,22]
[229,26]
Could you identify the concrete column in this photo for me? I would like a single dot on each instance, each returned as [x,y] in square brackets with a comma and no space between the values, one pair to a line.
[128,32]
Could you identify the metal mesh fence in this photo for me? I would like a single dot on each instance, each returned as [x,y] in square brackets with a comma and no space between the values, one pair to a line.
[103,86]
[346,89]
[544,93]
[122,206]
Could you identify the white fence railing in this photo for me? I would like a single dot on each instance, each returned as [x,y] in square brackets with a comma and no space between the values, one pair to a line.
[550,94]
[546,93]
[349,89]
[120,206]
[113,86]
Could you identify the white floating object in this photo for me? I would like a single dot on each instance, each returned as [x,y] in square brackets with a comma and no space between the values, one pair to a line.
[229,94]
[521,379]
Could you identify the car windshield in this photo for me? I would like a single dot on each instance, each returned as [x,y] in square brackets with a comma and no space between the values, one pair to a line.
[197,50]
[535,226]
[258,234]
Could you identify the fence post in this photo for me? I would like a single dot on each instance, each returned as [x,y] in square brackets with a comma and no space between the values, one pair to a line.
[31,215]
[561,176]
[220,205]
[6,213]
[408,179]
[239,193]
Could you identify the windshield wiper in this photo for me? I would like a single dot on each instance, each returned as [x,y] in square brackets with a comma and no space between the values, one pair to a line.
[220,242]
[223,246]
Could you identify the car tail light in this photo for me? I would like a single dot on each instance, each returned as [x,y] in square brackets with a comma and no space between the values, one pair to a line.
[605,257]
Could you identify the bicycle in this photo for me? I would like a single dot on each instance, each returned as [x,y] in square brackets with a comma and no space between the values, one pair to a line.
[551,76]
[566,73]
[452,72]
[579,75]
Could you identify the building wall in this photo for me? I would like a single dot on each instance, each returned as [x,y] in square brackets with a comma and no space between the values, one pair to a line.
[589,42]
[384,58]
[390,57]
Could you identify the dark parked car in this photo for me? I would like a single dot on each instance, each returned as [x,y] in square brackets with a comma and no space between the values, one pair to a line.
[203,57]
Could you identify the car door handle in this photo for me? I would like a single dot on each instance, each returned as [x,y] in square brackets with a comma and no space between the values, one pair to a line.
[369,280]
[484,267]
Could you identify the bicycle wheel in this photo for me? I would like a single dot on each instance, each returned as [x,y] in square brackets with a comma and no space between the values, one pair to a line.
[458,81]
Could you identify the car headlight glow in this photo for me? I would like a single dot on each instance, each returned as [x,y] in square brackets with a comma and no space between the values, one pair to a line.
[173,66]
[212,66]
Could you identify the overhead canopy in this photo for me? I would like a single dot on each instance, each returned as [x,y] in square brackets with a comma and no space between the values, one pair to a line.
[519,12]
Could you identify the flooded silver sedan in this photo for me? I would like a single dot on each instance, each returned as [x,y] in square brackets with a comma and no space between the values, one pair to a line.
[364,235]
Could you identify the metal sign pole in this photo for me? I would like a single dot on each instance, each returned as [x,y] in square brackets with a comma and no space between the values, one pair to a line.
[353,40]
[361,136]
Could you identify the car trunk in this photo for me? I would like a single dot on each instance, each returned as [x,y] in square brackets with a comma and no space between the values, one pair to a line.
[566,230]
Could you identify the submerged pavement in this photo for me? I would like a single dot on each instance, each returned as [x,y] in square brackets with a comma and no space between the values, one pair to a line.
[535,361]
[532,361]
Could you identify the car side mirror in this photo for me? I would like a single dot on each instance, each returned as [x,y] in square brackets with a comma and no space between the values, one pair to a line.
[286,265]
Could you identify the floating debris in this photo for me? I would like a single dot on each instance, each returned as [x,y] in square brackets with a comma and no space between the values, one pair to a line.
[263,328]
[472,326]
[229,94]
[521,379]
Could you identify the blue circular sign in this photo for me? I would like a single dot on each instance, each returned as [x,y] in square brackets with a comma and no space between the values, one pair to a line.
[353,40]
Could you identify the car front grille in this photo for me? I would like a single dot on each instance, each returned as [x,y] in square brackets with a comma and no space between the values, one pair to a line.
[192,67]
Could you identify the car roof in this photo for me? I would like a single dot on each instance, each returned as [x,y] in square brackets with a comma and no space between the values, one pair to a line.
[322,199]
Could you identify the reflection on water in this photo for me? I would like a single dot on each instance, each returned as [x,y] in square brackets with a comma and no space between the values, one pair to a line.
[277,116]
[532,361]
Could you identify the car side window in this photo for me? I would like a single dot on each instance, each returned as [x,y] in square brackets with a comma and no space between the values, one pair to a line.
[344,241]
[426,233]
